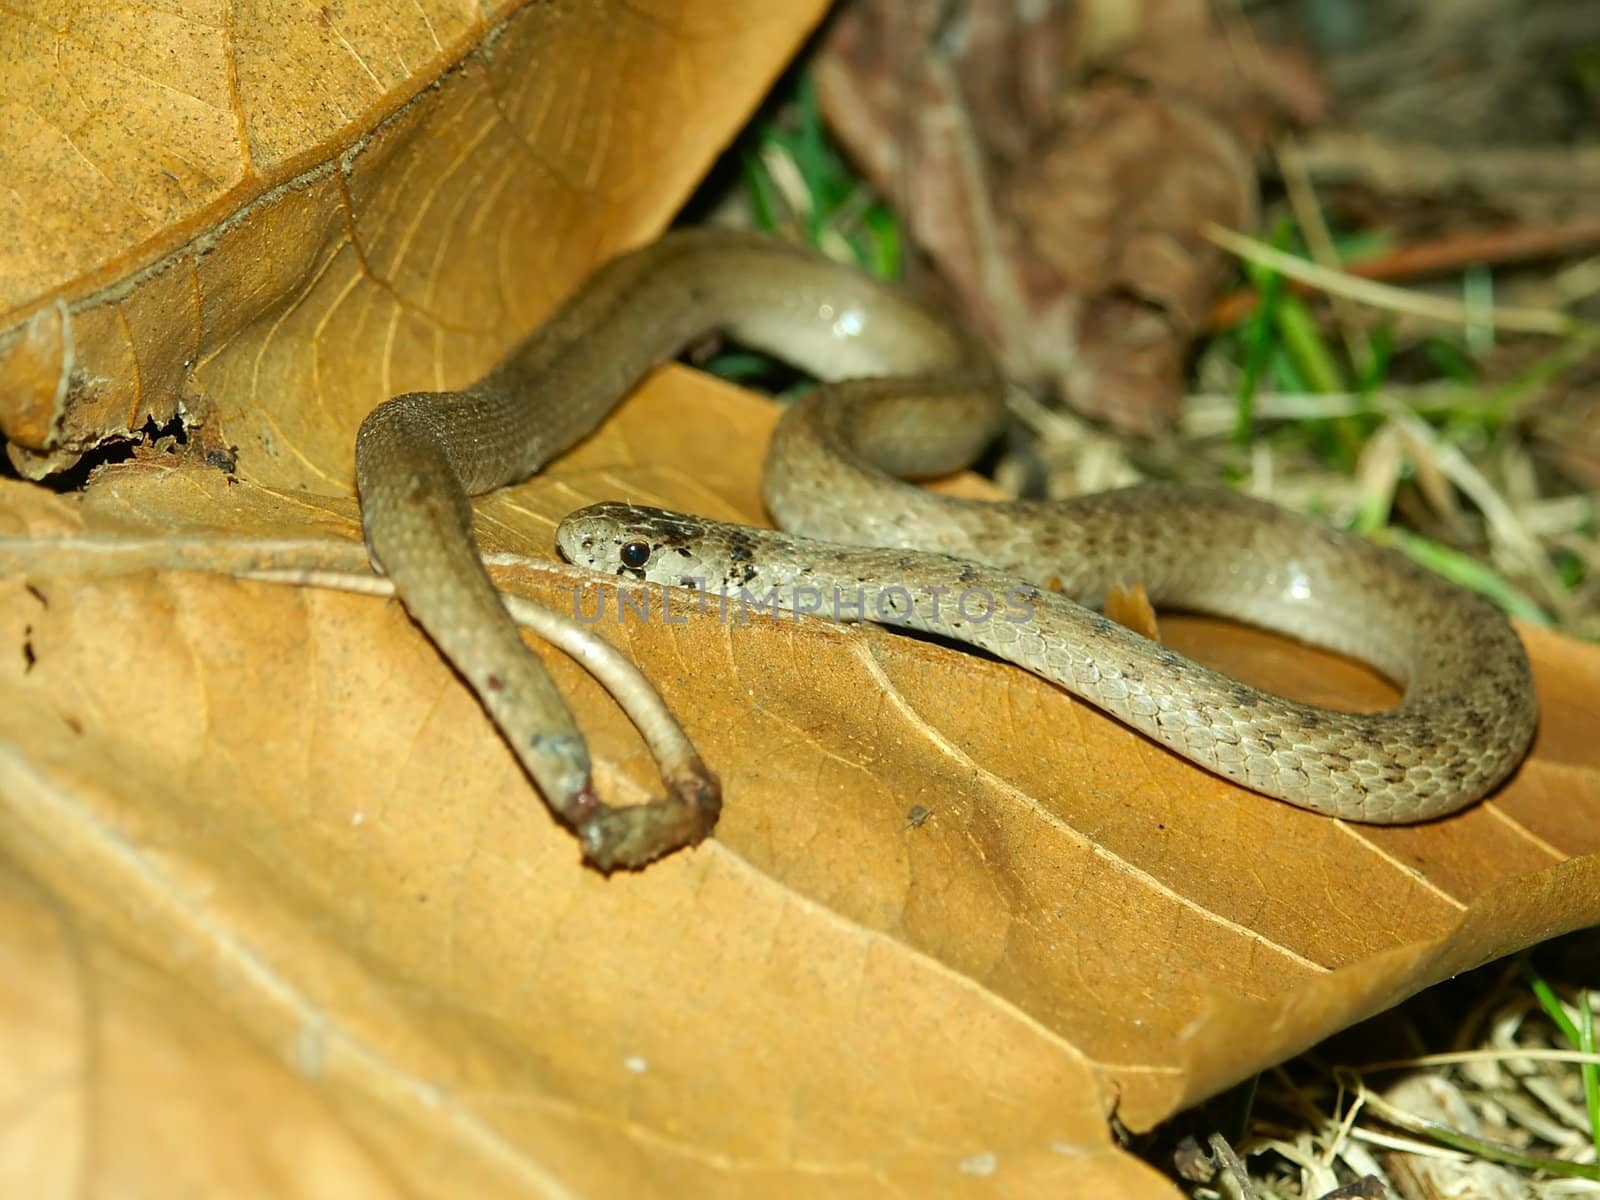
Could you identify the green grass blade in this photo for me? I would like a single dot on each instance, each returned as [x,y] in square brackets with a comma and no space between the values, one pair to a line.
[1260,337]
[1581,1036]
[1590,1072]
[1465,570]
[1307,347]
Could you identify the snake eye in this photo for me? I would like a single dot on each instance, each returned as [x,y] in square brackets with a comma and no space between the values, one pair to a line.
[635,555]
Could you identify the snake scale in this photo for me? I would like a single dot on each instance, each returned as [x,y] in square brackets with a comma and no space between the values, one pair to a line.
[909,396]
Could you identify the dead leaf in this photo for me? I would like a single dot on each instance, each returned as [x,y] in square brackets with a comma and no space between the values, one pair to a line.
[275,812]
[1058,163]
[282,916]
[265,224]
[1132,607]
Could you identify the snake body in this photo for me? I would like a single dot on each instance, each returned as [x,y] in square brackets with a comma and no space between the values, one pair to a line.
[914,397]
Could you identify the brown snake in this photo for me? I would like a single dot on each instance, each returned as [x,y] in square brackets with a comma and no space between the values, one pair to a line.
[919,399]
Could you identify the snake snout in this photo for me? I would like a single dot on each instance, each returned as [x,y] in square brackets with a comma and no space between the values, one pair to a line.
[613,534]
[588,537]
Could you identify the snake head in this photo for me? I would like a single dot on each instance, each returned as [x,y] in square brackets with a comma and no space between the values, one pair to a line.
[629,540]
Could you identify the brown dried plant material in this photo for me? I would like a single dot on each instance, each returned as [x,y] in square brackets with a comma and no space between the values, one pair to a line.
[1132,607]
[264,221]
[270,828]
[1057,162]
[281,916]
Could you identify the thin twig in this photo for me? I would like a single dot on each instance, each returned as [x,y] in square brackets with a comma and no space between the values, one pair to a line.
[1454,1057]
[1394,299]
[1449,255]
[669,744]
[1308,215]
[1232,1165]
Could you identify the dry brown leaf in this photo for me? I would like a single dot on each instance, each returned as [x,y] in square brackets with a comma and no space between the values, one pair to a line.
[274,836]
[1058,162]
[282,916]
[266,222]
[1131,607]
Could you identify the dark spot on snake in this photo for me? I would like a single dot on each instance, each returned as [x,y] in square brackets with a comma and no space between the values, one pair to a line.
[634,555]
[1245,698]
[685,551]
[740,547]
[74,724]
[36,594]
[750,573]
[966,575]
[28,656]
[494,683]
[666,530]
